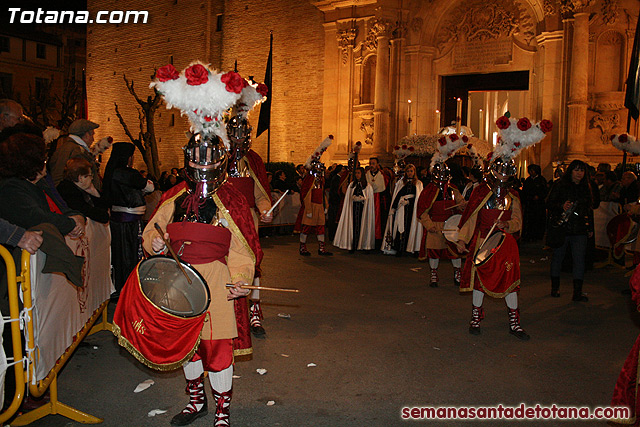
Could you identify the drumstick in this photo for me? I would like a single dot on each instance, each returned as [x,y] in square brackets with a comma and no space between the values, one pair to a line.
[455,206]
[173,254]
[276,204]
[263,288]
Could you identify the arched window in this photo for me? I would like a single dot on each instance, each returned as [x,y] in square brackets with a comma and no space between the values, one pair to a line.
[369,80]
[610,56]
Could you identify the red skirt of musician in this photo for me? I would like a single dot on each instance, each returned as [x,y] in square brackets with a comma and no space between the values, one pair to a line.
[500,275]
[626,390]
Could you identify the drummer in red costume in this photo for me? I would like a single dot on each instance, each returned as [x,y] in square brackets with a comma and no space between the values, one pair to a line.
[494,203]
[249,175]
[311,217]
[435,206]
[495,206]
[210,223]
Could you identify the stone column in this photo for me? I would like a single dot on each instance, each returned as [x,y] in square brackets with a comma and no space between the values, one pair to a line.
[381,103]
[578,88]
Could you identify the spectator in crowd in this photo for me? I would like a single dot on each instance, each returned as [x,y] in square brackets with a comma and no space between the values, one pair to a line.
[604,167]
[124,188]
[570,208]
[79,193]
[298,186]
[629,190]
[475,178]
[10,113]
[423,176]
[611,188]
[599,179]
[534,192]
[162,180]
[25,204]
[14,235]
[301,171]
[279,183]
[81,136]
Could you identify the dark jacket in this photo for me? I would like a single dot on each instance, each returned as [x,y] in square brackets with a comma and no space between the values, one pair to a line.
[91,207]
[581,222]
[25,204]
[10,234]
[126,188]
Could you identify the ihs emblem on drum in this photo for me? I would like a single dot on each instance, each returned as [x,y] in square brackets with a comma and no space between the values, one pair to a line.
[508,265]
[139,327]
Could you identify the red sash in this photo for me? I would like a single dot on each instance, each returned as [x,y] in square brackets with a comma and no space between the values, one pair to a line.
[207,243]
[317,196]
[488,217]
[439,211]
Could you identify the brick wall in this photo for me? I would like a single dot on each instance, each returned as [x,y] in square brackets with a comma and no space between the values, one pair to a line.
[181,29]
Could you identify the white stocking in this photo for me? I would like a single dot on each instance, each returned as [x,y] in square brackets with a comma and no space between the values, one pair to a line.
[478,297]
[320,237]
[193,370]
[303,238]
[255,294]
[457,263]
[512,300]
[433,263]
[223,380]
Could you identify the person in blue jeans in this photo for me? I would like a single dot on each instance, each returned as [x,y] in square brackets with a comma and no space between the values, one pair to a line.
[570,207]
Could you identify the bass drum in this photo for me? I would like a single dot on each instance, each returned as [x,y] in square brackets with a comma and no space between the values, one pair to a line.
[160,314]
[621,231]
[450,228]
[164,284]
[488,248]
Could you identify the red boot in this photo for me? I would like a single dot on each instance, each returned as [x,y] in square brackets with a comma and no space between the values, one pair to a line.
[477,314]
[223,404]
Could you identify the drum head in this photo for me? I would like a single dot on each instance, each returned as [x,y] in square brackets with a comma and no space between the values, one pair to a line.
[488,248]
[450,228]
[163,283]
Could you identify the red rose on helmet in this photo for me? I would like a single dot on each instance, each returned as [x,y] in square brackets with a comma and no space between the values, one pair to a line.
[442,141]
[166,73]
[623,138]
[453,137]
[470,146]
[517,144]
[404,146]
[208,118]
[262,89]
[524,124]
[503,122]
[233,82]
[196,75]
[397,147]
[412,149]
[465,138]
[546,126]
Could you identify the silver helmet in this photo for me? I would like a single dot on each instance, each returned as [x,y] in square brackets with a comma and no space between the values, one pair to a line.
[239,133]
[440,172]
[398,168]
[502,169]
[205,161]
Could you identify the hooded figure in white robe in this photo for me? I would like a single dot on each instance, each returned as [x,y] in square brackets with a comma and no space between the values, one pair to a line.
[404,234]
[356,228]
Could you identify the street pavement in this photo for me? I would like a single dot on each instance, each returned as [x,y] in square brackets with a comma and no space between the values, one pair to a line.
[382,339]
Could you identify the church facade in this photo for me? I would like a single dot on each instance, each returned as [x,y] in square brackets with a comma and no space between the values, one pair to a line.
[379,70]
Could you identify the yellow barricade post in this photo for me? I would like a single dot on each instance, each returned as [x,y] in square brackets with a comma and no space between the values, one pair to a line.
[50,381]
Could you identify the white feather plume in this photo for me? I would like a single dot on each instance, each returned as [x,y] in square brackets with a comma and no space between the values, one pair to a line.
[249,99]
[204,104]
[317,153]
[447,146]
[512,140]
[629,143]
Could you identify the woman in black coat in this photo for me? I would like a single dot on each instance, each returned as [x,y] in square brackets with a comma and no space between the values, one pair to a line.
[79,193]
[570,206]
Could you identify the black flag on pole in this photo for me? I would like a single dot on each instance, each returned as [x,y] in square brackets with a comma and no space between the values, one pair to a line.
[632,97]
[264,121]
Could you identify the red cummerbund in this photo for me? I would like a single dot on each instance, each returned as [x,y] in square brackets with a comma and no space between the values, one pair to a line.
[203,243]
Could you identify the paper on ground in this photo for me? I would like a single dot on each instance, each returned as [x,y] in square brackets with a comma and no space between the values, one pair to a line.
[143,386]
[155,412]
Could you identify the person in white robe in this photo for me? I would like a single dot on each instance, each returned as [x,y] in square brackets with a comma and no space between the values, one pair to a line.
[403,232]
[356,228]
